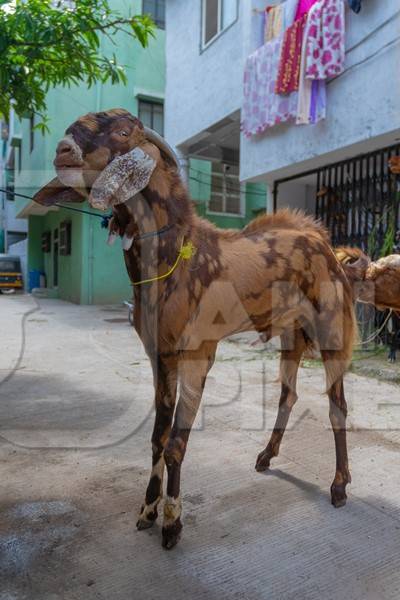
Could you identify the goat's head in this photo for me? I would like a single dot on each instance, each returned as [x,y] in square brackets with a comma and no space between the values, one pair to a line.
[381,286]
[107,157]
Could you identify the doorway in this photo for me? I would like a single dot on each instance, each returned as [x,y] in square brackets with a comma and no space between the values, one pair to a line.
[358,199]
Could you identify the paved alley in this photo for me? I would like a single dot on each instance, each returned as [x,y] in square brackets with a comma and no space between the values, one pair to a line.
[76,408]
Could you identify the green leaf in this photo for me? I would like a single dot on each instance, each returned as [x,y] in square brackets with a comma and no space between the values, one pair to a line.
[45,44]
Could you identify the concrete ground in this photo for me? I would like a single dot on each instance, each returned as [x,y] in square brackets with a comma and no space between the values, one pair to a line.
[75,424]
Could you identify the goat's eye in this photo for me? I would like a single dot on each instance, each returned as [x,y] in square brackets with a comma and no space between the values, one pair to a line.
[124,133]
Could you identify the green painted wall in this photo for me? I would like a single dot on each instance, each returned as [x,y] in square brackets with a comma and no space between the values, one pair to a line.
[36,256]
[95,272]
[106,279]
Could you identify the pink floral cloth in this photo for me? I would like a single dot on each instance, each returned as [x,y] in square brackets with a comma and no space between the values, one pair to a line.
[325,43]
[262,108]
[309,89]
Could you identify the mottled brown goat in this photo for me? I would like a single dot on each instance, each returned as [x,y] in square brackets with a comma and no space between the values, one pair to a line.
[278,276]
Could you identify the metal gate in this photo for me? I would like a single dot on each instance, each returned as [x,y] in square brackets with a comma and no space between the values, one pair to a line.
[358,200]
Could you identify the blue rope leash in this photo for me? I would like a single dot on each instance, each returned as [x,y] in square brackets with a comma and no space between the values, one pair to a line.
[105,219]
[79,210]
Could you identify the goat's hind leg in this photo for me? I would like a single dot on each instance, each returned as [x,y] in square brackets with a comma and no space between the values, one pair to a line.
[165,378]
[337,416]
[290,360]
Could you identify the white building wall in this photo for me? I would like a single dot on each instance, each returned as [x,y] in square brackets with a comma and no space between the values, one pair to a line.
[363,108]
[363,104]
[203,86]
[14,224]
[8,220]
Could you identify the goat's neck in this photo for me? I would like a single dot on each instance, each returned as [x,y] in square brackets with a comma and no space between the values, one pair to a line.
[171,215]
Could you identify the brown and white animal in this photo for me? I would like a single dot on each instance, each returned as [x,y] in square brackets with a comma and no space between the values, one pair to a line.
[376,283]
[278,276]
[381,283]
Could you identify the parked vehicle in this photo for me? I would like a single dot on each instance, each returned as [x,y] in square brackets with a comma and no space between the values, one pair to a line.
[10,274]
[131,309]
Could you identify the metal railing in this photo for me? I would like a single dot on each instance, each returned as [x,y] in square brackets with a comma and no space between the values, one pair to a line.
[358,200]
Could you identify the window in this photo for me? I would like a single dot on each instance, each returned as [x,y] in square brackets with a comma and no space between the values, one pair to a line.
[13,237]
[217,16]
[10,265]
[156,10]
[226,190]
[65,238]
[46,242]
[152,115]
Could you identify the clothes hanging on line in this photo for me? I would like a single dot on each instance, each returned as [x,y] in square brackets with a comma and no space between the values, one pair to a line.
[283,63]
[318,102]
[274,16]
[323,57]
[307,87]
[303,8]
[289,63]
[325,42]
[262,108]
[311,107]
[277,18]
[355,5]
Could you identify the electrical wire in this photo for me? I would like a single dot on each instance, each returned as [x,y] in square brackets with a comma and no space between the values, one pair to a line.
[371,33]
[79,210]
[366,59]
[228,188]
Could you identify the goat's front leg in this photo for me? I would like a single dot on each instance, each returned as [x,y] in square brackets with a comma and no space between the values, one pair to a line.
[165,382]
[193,369]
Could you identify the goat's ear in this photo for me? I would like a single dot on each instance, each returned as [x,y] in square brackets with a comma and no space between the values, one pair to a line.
[55,192]
[123,178]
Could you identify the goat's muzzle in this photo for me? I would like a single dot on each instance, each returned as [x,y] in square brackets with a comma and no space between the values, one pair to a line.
[68,154]
[69,163]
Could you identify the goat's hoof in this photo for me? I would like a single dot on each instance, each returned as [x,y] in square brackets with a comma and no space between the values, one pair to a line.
[338,495]
[171,535]
[263,461]
[146,521]
[143,524]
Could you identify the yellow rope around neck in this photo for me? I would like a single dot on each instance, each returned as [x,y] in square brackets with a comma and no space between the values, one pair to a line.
[186,252]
